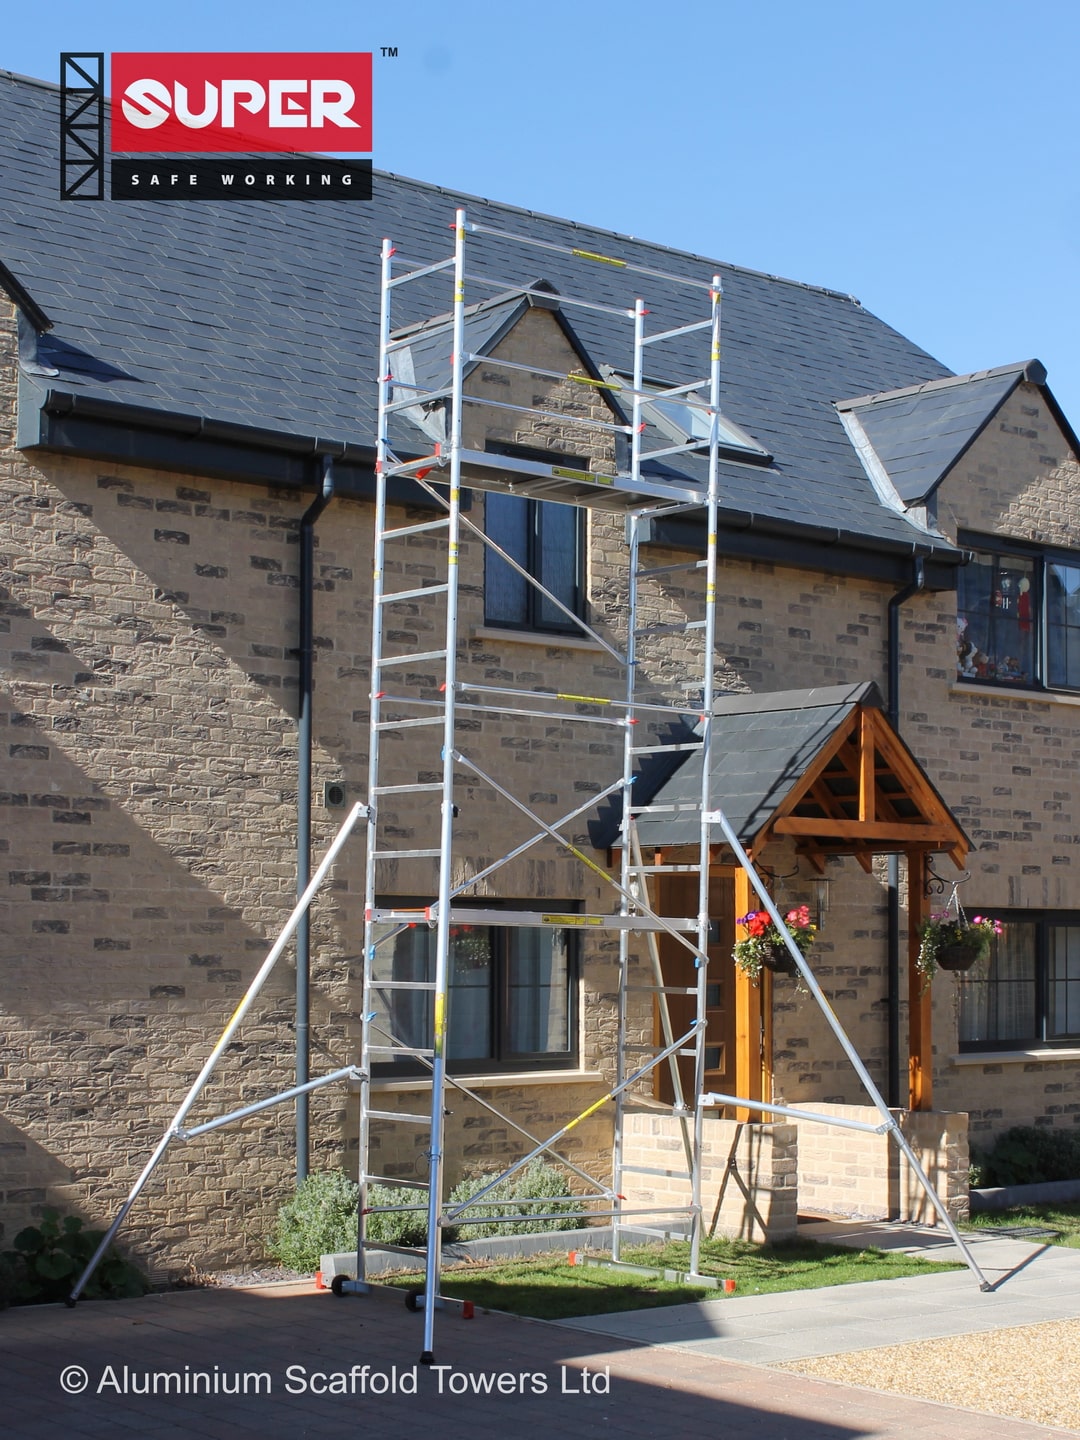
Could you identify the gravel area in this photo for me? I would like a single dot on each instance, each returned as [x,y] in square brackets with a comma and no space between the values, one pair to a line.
[1031,1372]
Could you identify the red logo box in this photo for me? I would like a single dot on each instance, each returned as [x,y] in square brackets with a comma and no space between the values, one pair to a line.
[214,104]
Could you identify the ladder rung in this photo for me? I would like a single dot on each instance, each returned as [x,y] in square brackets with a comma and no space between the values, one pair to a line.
[395,596]
[399,1115]
[407,789]
[406,854]
[682,628]
[400,530]
[420,397]
[661,989]
[381,985]
[669,569]
[410,659]
[664,809]
[401,1050]
[409,724]
[665,869]
[654,1170]
[674,450]
[660,749]
[396,1183]
[681,330]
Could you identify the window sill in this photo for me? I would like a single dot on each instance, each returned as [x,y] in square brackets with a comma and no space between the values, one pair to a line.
[1003,692]
[1013,1057]
[538,637]
[503,1080]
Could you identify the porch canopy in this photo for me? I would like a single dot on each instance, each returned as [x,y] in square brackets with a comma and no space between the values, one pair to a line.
[822,766]
[825,769]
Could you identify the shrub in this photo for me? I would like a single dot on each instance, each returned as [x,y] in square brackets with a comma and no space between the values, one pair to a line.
[537,1181]
[1028,1155]
[320,1219]
[49,1258]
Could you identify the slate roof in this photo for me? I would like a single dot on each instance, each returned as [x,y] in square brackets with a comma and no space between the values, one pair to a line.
[264,315]
[762,747]
[920,432]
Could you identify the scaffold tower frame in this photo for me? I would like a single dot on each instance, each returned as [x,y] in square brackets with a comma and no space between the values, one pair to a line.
[637,492]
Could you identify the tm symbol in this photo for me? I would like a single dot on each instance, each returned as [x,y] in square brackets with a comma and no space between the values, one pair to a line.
[389,51]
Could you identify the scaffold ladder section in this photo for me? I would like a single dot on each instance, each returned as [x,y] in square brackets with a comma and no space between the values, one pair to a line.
[634,874]
[392,708]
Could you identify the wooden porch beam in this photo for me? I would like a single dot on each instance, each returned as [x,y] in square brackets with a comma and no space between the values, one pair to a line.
[899,834]
[748,1014]
[867,784]
[920,1038]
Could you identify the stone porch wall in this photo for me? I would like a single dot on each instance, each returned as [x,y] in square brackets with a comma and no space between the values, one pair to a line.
[759,1199]
[855,1174]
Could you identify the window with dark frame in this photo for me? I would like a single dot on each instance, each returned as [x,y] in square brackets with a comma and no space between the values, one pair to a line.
[1018,617]
[512,995]
[548,541]
[1028,993]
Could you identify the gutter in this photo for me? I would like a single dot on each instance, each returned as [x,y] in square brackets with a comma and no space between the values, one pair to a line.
[304,746]
[902,596]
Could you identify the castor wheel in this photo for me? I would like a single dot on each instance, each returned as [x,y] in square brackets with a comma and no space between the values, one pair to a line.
[337,1285]
[412,1299]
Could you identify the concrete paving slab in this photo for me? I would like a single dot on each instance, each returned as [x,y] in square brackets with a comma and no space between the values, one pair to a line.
[1033,1283]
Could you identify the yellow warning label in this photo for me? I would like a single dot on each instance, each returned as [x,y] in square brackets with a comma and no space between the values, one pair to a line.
[586,475]
[588,380]
[571,919]
[601,259]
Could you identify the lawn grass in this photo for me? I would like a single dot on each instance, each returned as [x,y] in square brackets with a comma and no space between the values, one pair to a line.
[546,1287]
[1063,1218]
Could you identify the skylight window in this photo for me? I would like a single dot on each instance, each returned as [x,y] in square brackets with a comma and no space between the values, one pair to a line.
[684,417]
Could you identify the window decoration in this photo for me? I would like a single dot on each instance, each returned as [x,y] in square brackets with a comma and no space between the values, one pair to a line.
[1018,620]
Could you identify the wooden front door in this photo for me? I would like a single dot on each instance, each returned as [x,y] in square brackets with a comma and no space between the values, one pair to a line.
[681,898]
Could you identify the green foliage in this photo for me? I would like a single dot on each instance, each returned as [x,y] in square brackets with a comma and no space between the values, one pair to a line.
[320,1219]
[49,1258]
[1064,1219]
[537,1181]
[944,931]
[1028,1155]
[548,1288]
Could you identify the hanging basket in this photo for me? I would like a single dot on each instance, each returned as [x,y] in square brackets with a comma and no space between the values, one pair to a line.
[961,955]
[779,960]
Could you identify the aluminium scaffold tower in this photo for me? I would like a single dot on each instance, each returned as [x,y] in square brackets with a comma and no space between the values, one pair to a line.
[641,496]
[402,703]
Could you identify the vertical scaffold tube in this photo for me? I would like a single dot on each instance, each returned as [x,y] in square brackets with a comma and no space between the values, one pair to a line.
[627,789]
[370,863]
[446,837]
[707,690]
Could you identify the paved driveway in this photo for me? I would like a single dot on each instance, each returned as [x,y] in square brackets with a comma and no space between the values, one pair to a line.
[283,1345]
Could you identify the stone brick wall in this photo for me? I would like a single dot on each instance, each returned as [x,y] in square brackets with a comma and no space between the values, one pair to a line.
[149,627]
[148,624]
[1003,760]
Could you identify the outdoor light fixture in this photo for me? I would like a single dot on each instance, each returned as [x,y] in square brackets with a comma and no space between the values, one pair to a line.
[821,898]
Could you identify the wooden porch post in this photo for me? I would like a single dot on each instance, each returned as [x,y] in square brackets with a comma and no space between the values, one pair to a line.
[748,1012]
[920,1038]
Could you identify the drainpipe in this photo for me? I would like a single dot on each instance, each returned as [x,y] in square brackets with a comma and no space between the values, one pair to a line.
[303,802]
[901,597]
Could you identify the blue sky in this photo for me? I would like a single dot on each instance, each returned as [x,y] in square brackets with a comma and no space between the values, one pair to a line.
[922,156]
